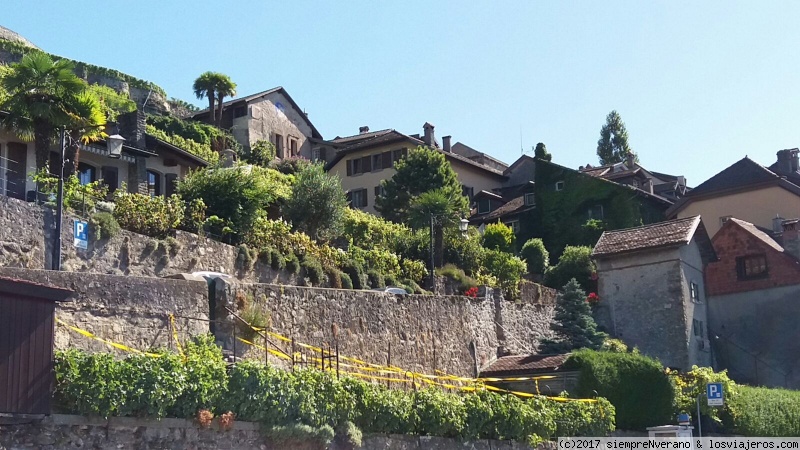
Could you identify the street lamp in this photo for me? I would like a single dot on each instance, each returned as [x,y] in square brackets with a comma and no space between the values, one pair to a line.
[114,147]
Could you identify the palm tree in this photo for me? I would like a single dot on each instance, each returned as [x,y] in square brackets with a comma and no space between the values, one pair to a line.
[87,123]
[437,209]
[205,86]
[225,87]
[40,95]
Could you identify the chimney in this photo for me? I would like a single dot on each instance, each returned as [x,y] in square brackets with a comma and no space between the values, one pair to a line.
[446,143]
[630,161]
[228,158]
[791,237]
[777,224]
[364,129]
[648,185]
[428,138]
[132,127]
[787,160]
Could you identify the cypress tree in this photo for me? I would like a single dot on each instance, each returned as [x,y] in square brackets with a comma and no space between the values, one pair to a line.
[612,147]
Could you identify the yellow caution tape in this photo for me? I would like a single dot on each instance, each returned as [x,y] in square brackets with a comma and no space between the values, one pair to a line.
[277,353]
[91,335]
[175,334]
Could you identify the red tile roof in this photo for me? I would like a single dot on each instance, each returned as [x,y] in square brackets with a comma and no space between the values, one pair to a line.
[662,234]
[524,364]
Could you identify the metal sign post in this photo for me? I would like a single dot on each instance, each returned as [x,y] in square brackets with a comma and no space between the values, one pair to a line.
[80,233]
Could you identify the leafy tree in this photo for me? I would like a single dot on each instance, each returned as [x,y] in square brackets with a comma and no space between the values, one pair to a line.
[498,236]
[421,171]
[573,323]
[317,203]
[439,208]
[41,96]
[536,256]
[112,103]
[541,152]
[87,120]
[261,153]
[507,268]
[612,147]
[575,263]
[215,87]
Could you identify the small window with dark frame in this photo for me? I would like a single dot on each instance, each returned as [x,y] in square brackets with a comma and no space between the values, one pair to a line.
[559,186]
[596,212]
[240,111]
[86,173]
[359,198]
[377,162]
[698,328]
[694,292]
[752,267]
[484,206]
[293,147]
[530,199]
[153,183]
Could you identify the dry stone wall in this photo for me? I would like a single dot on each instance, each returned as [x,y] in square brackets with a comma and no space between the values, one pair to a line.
[62,432]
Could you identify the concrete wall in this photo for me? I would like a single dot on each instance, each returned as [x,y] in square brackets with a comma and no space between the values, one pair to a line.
[642,302]
[696,312]
[756,337]
[456,334]
[62,432]
[758,207]
[129,310]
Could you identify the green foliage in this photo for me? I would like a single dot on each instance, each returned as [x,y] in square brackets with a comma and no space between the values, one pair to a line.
[635,384]
[261,153]
[77,197]
[277,261]
[370,231]
[292,263]
[317,203]
[198,149]
[347,282]
[507,268]
[355,271]
[457,275]
[689,385]
[348,436]
[498,236]
[313,270]
[614,345]
[421,171]
[375,279]
[439,414]
[467,253]
[113,103]
[238,196]
[290,166]
[413,270]
[151,216]
[760,411]
[536,256]
[255,315]
[540,152]
[298,435]
[195,216]
[167,385]
[104,225]
[573,323]
[193,133]
[612,147]
[575,263]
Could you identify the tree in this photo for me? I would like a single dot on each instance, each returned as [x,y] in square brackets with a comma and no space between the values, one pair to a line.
[439,209]
[536,256]
[612,147]
[421,171]
[541,152]
[41,96]
[205,86]
[574,263]
[261,153]
[224,87]
[317,203]
[573,323]
[498,236]
[86,124]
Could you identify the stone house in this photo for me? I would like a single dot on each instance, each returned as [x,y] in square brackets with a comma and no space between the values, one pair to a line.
[273,116]
[364,160]
[147,164]
[631,173]
[652,291]
[753,290]
[745,190]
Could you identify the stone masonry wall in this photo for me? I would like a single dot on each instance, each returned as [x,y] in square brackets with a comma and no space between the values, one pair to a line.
[129,310]
[458,335]
[62,432]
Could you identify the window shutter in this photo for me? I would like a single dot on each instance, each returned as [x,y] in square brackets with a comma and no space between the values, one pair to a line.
[364,191]
[387,160]
[349,169]
[366,164]
[377,191]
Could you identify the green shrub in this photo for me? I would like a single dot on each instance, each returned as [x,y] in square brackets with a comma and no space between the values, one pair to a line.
[276,260]
[151,216]
[313,270]
[199,149]
[245,257]
[636,385]
[298,435]
[255,315]
[292,263]
[690,385]
[390,280]
[375,279]
[356,273]
[265,256]
[575,262]
[334,276]
[498,236]
[261,153]
[438,413]
[317,204]
[195,216]
[105,226]
[290,166]
[454,273]
[347,282]
[507,268]
[536,256]
[760,411]
[348,436]
[371,231]
[413,270]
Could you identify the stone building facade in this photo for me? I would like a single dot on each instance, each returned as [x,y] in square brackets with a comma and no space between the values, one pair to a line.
[652,291]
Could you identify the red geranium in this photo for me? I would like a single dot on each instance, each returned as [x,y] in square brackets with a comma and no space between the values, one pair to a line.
[471,292]
[593,299]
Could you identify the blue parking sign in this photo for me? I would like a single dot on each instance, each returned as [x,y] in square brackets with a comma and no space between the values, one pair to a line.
[80,232]
[714,394]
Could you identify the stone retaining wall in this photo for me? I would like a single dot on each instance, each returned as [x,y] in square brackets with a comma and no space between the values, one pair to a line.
[62,432]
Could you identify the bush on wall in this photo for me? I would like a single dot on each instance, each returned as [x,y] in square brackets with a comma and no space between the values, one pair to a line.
[151,216]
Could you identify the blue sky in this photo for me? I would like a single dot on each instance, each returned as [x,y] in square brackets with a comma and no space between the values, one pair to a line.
[698,84]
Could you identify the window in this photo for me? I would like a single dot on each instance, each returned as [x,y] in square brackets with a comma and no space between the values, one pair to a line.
[635,183]
[378,191]
[559,185]
[694,292]
[358,198]
[240,111]
[724,219]
[752,267]
[398,154]
[86,173]
[358,166]
[484,206]
[292,147]
[467,191]
[697,328]
[279,145]
[377,162]
[153,183]
[596,212]
[514,224]
[530,199]
[111,178]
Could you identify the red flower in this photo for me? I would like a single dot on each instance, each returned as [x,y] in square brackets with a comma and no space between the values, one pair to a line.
[471,292]
[593,298]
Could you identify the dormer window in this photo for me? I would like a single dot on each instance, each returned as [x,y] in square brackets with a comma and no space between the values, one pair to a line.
[484,206]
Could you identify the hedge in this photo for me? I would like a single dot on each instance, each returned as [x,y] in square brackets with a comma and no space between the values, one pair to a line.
[169,385]
[636,385]
[760,411]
